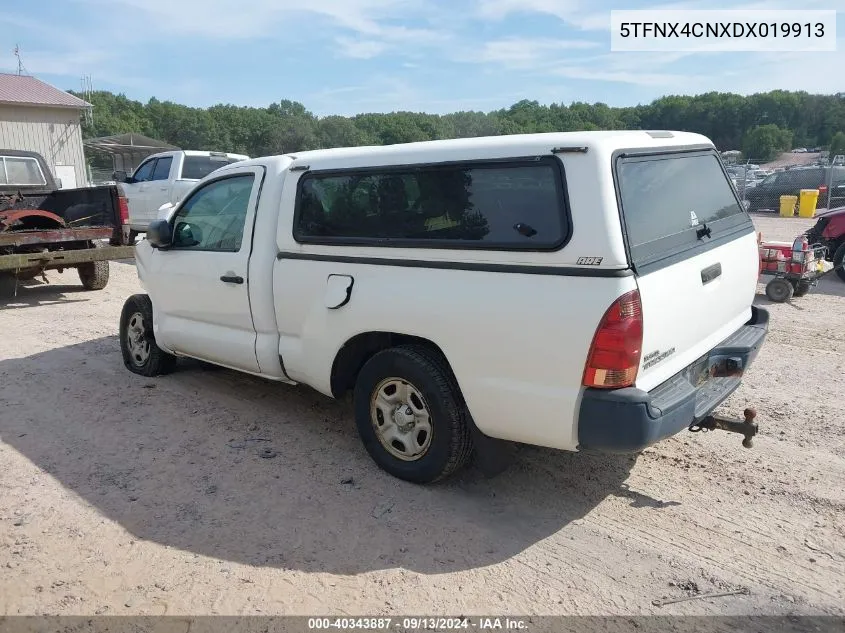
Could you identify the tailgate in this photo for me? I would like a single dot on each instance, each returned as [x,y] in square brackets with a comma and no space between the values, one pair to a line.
[694,251]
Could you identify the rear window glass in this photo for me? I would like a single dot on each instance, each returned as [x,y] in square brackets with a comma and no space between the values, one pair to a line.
[667,199]
[198,167]
[18,170]
[509,205]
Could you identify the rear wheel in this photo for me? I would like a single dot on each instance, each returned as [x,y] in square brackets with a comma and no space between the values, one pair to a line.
[140,353]
[779,290]
[411,416]
[94,275]
[838,260]
[8,284]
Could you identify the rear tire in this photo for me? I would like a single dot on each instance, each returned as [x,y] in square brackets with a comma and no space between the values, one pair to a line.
[94,275]
[140,353]
[779,290]
[838,259]
[411,416]
[8,284]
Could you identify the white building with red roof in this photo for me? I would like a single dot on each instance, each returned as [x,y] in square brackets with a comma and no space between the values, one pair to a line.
[38,117]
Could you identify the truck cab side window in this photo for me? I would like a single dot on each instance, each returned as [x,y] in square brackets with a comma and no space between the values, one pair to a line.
[162,169]
[213,218]
[144,172]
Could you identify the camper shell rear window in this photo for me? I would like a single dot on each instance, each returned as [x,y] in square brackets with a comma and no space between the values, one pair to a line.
[675,204]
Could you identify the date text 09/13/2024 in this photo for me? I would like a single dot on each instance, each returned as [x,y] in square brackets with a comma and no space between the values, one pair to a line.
[419,623]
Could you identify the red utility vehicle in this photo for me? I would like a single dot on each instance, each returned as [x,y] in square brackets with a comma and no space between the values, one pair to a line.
[829,231]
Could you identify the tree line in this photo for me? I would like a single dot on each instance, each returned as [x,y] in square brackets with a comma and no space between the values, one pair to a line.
[760,125]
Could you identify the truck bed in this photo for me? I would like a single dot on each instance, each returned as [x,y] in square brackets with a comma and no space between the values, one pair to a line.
[85,207]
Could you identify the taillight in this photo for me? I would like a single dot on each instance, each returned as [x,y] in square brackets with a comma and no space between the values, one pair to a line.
[615,352]
[123,209]
[822,189]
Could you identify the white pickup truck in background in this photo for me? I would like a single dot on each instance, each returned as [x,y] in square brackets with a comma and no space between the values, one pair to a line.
[166,177]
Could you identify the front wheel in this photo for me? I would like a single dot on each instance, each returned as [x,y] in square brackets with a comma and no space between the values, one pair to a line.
[802,287]
[141,355]
[838,260]
[411,416]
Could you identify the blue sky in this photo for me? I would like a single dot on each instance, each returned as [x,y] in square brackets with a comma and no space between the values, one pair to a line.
[350,56]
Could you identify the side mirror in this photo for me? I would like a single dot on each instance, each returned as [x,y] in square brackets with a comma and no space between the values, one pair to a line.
[159,234]
[120,176]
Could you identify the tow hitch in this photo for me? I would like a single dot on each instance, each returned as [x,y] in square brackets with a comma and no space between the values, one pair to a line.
[746,427]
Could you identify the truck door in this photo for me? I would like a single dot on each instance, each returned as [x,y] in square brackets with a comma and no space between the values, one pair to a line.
[159,190]
[201,294]
[136,192]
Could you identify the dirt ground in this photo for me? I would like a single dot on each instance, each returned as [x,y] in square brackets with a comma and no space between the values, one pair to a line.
[124,495]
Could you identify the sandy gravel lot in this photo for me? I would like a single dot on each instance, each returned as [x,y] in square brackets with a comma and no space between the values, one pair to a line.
[123,495]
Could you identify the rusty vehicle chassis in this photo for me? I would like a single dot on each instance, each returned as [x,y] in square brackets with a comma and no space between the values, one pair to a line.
[53,236]
[58,258]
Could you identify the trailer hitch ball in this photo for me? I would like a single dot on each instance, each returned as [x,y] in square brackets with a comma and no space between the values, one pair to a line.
[750,427]
[747,427]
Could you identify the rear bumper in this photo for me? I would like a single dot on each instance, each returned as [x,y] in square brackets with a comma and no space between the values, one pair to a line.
[628,420]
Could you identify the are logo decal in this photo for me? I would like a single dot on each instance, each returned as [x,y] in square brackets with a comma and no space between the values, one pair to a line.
[589,261]
[652,358]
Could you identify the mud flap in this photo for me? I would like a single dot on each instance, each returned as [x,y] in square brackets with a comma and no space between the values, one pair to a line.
[491,456]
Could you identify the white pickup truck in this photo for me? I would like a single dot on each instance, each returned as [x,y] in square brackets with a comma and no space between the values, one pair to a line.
[588,290]
[166,178]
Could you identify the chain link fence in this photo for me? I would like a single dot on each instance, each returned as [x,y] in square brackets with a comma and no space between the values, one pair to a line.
[760,183]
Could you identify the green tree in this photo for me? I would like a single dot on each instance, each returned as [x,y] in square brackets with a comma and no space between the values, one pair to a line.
[764,142]
[761,124]
[837,144]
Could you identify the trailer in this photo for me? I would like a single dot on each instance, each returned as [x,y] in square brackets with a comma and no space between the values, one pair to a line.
[43,227]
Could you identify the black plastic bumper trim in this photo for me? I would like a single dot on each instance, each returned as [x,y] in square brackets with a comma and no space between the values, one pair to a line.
[630,419]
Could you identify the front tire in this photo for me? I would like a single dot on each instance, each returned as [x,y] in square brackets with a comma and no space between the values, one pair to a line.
[779,290]
[140,353]
[411,416]
[802,287]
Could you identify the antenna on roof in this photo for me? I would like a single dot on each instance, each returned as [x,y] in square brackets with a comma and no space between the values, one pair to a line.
[21,68]
[87,94]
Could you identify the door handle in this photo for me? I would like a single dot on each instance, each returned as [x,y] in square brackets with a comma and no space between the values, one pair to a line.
[232,279]
[710,273]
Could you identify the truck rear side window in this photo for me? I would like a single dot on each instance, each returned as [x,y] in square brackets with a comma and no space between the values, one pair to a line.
[198,167]
[512,205]
[20,170]
[669,199]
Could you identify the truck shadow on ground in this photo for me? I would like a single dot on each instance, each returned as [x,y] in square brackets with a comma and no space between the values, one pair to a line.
[229,466]
[33,293]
